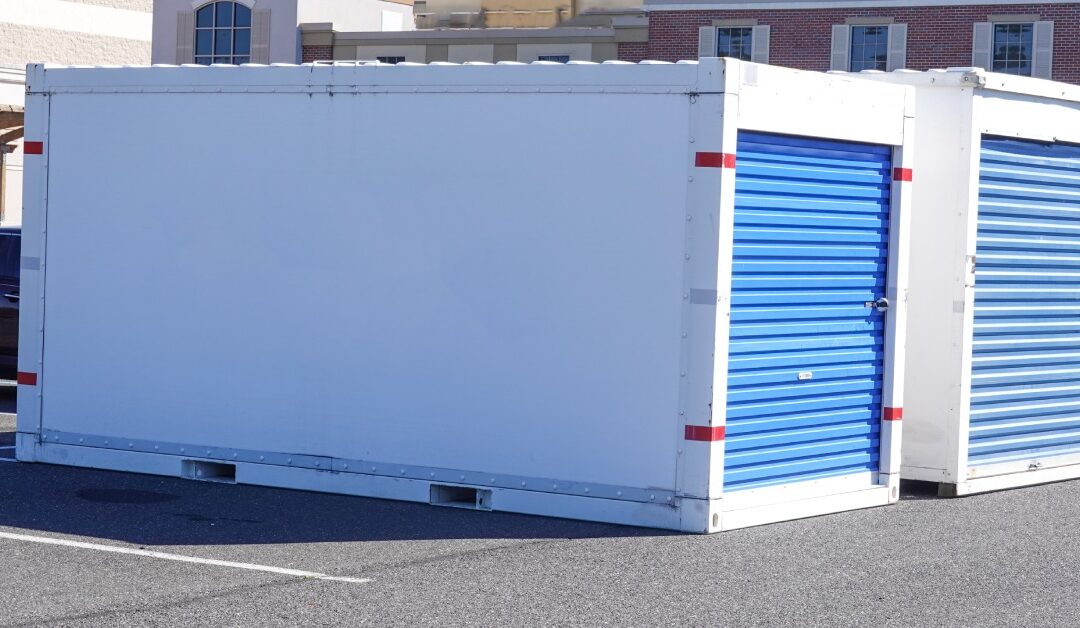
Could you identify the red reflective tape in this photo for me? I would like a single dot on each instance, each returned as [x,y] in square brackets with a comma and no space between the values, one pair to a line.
[26,379]
[704,432]
[714,160]
[894,414]
[901,174]
[33,148]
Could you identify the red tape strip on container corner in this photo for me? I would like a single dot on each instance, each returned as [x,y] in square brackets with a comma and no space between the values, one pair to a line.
[901,174]
[714,160]
[704,433]
[33,148]
[894,414]
[26,379]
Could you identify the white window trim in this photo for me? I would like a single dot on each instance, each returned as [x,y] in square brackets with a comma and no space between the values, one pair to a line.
[1019,18]
[260,32]
[195,56]
[735,23]
[876,24]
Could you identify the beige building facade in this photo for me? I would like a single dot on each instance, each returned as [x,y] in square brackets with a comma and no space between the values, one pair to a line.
[68,32]
[511,13]
[265,31]
[592,37]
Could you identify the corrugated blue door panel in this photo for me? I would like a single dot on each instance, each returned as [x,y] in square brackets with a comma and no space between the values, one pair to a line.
[1025,379]
[806,353]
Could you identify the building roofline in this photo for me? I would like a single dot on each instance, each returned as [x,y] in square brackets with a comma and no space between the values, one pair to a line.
[623,28]
[453,34]
[712,5]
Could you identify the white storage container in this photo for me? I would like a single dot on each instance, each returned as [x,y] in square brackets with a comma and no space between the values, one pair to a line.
[532,288]
[993,369]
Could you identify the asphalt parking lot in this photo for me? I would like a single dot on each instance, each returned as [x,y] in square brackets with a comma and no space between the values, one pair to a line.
[1010,558]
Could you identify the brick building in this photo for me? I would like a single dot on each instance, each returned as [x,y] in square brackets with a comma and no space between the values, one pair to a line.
[1035,39]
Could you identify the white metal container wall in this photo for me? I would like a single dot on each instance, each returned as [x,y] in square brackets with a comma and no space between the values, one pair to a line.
[961,111]
[497,307]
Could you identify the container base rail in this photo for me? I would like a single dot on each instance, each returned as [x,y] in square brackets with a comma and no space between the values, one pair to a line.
[654,510]
[1012,475]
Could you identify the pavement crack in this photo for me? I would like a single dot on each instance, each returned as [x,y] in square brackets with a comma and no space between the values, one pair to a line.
[462,554]
[143,609]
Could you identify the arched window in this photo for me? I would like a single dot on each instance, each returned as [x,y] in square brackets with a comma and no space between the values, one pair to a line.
[222,33]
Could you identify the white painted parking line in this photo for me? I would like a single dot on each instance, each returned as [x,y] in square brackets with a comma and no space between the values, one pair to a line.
[7,447]
[178,557]
[8,460]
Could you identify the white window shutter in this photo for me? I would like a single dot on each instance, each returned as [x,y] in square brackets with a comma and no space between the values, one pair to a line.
[841,47]
[260,36]
[1043,53]
[706,41]
[759,44]
[897,59]
[981,44]
[185,37]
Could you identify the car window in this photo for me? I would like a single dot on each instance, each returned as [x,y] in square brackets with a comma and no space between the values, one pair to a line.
[10,246]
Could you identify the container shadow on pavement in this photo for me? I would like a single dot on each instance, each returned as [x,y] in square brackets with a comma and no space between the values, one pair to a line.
[151,510]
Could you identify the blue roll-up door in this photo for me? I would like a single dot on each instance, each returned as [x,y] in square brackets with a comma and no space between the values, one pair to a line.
[806,352]
[1025,375]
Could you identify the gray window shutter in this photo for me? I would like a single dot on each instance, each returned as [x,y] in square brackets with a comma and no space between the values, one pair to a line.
[1043,43]
[185,37]
[260,36]
[841,47]
[706,41]
[897,47]
[759,44]
[981,43]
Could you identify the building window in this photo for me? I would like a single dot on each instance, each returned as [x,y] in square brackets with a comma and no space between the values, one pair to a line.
[555,58]
[735,42]
[390,60]
[222,33]
[743,41]
[869,48]
[1013,47]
